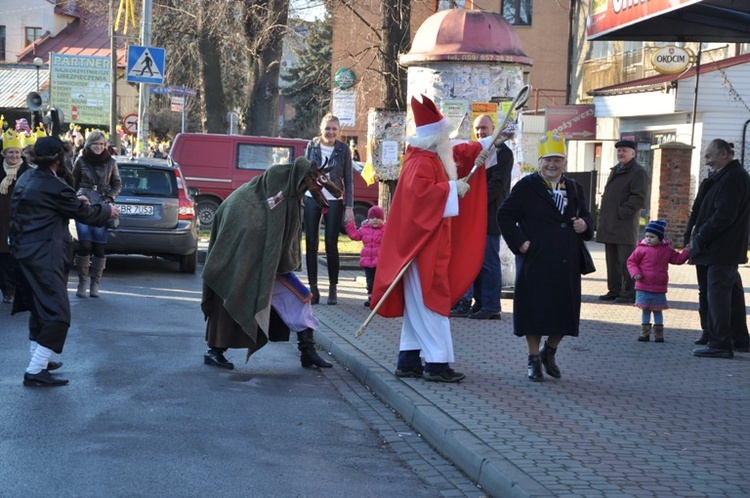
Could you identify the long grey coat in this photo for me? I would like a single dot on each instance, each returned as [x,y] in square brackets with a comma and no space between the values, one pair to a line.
[624,197]
[547,295]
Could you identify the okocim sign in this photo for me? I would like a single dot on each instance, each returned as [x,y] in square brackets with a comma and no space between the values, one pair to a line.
[672,59]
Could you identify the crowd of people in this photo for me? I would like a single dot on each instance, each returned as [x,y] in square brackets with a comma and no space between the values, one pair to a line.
[437,256]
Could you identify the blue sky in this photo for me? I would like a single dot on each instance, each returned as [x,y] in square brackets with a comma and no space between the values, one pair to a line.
[307,9]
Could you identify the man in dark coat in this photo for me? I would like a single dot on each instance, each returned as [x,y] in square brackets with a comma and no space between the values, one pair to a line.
[42,205]
[719,242]
[544,221]
[250,295]
[488,285]
[624,197]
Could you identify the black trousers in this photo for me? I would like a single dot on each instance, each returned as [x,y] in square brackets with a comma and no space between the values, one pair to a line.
[7,274]
[738,315]
[618,277]
[333,218]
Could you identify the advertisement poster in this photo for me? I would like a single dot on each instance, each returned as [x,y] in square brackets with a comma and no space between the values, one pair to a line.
[344,106]
[80,87]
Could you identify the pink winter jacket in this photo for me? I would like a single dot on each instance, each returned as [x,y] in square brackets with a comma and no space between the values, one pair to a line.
[371,238]
[652,263]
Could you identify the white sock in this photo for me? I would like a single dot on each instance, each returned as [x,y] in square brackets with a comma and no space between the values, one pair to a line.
[39,360]
[32,346]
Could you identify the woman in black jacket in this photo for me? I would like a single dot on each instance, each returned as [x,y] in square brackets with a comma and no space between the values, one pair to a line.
[42,205]
[95,175]
[14,165]
[336,155]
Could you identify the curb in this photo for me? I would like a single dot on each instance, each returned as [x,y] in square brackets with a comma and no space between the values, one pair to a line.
[485,466]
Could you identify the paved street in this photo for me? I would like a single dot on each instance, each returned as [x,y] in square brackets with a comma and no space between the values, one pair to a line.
[626,419]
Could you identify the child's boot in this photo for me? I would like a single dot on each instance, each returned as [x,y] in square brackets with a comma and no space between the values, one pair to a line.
[658,333]
[645,332]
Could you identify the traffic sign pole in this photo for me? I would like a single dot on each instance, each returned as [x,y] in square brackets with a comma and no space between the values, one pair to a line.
[144,97]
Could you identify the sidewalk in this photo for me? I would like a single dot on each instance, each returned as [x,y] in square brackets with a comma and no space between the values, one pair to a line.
[626,419]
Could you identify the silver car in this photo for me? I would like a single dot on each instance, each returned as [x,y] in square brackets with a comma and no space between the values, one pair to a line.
[157,213]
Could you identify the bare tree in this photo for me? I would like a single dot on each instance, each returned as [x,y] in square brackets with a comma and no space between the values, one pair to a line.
[396,17]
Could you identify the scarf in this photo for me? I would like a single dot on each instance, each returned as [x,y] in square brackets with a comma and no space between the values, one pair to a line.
[559,193]
[10,176]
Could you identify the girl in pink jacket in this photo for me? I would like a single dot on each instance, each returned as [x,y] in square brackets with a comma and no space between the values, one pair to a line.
[649,267]
[371,235]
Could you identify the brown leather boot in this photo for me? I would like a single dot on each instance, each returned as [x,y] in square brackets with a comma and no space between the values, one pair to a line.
[645,332]
[658,333]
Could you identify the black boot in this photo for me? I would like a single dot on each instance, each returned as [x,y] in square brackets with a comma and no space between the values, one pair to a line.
[703,339]
[214,357]
[308,356]
[535,368]
[332,298]
[547,356]
[315,294]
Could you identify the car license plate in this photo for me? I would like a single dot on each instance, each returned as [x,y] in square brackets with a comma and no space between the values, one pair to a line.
[135,209]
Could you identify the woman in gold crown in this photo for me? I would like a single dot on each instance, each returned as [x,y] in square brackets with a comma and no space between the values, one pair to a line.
[95,175]
[544,220]
[14,165]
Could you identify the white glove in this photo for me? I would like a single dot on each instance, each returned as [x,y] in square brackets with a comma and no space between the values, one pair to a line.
[462,187]
[482,157]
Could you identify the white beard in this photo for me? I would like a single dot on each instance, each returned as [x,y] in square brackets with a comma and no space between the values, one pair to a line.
[445,153]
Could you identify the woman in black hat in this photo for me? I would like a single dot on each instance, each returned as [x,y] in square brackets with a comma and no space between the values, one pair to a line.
[42,205]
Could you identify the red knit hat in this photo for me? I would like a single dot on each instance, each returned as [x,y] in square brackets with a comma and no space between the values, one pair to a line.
[375,212]
[427,117]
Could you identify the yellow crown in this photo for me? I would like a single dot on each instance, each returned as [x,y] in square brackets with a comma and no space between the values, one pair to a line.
[552,144]
[11,139]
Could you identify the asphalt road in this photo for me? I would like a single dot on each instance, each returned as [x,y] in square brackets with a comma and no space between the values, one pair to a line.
[143,416]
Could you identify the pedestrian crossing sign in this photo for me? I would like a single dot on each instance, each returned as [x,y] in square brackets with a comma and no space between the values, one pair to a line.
[145,65]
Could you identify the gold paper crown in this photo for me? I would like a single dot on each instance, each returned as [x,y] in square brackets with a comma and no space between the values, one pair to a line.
[552,144]
[11,139]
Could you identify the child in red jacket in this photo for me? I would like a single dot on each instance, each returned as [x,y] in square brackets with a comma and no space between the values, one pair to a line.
[371,235]
[649,267]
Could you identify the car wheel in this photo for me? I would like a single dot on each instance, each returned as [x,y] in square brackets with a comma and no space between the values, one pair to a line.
[189,263]
[205,212]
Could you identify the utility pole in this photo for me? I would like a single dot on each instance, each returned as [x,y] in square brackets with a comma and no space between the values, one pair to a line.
[144,96]
[114,138]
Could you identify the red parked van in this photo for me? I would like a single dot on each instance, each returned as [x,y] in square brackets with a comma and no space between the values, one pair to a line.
[218,164]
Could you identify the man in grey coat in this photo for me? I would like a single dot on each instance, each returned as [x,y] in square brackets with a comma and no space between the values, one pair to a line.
[617,228]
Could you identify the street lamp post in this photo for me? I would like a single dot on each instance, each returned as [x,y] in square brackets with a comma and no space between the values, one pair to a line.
[38,62]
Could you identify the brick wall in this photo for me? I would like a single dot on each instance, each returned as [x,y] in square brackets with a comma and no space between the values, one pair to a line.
[670,188]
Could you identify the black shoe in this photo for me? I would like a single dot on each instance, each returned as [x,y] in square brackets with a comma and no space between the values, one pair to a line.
[535,368]
[315,294]
[702,340]
[547,357]
[332,297]
[415,372]
[744,348]
[449,375]
[216,359]
[609,296]
[53,365]
[713,353]
[625,300]
[367,303]
[460,311]
[486,315]
[43,379]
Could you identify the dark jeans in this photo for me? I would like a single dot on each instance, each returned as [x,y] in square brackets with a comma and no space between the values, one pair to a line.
[7,274]
[333,218]
[618,277]
[488,285]
[370,279]
[738,316]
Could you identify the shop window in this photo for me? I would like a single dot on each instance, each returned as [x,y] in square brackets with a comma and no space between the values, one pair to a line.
[32,34]
[518,12]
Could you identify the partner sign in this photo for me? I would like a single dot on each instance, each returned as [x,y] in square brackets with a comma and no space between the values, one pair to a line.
[576,122]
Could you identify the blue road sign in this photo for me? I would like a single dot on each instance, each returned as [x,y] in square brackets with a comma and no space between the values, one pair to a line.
[173,90]
[145,65]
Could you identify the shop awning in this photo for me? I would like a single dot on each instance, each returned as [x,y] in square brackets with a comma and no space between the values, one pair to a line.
[670,20]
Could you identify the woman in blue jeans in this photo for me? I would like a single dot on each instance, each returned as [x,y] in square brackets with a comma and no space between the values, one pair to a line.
[95,175]
[336,155]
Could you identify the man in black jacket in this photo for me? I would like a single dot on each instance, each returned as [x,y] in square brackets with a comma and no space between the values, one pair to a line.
[488,284]
[719,242]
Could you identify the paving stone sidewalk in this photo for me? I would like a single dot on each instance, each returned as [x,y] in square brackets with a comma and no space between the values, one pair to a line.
[626,419]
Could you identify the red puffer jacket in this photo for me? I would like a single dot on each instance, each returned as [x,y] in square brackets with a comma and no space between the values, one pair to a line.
[652,263]
[371,238]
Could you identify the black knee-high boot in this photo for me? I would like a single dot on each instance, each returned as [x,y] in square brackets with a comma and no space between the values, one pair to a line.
[308,356]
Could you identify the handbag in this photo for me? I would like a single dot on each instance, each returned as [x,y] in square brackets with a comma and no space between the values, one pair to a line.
[587,262]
